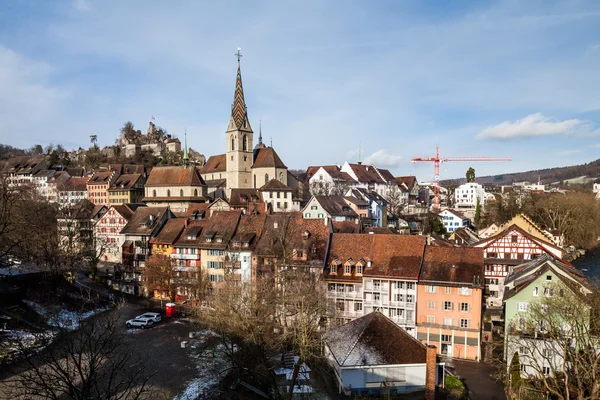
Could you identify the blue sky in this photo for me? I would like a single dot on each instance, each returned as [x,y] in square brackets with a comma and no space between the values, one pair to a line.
[509,78]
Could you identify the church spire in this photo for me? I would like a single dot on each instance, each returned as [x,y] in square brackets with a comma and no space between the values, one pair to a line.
[260,132]
[186,157]
[239,111]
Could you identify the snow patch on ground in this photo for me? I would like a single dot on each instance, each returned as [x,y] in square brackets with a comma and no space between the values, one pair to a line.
[62,318]
[210,361]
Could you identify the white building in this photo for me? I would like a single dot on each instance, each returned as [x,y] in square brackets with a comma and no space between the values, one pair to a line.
[466,195]
[280,196]
[596,187]
[453,220]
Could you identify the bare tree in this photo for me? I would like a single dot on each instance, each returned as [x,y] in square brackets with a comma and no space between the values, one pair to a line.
[96,361]
[394,199]
[557,344]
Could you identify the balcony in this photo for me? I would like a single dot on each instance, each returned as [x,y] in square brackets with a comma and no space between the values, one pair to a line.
[178,256]
[233,264]
[349,314]
[447,327]
[344,295]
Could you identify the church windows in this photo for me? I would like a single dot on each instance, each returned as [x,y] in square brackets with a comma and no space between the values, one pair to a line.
[281,177]
[168,192]
[245,144]
[195,192]
[154,193]
[245,158]
[180,192]
[266,178]
[254,181]
[232,144]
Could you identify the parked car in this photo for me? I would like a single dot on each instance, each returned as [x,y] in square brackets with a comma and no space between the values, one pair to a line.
[139,323]
[154,316]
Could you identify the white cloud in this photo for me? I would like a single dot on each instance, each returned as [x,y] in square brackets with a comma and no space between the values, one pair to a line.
[382,158]
[535,125]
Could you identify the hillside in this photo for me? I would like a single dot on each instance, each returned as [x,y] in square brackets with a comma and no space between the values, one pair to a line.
[547,175]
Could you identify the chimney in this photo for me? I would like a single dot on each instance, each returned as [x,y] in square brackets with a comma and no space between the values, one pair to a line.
[326,220]
[275,225]
[430,372]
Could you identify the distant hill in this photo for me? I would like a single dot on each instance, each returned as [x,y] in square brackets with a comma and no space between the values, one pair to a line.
[546,176]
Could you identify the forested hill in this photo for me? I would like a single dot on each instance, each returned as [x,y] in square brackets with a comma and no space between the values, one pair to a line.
[548,175]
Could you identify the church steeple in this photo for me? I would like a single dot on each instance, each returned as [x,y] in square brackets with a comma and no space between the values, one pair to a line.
[186,157]
[239,111]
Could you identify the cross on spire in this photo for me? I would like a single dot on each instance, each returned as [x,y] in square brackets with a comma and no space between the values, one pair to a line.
[239,54]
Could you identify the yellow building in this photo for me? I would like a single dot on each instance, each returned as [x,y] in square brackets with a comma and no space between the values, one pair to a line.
[126,189]
[168,235]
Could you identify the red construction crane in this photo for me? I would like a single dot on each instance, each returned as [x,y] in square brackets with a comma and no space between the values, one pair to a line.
[436,170]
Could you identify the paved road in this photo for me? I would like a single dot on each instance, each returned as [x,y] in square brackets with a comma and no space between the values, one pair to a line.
[479,379]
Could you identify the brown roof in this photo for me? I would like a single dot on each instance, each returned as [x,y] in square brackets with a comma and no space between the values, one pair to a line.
[390,255]
[145,220]
[220,229]
[267,157]
[366,173]
[128,168]
[409,181]
[275,186]
[192,234]
[356,201]
[333,170]
[75,184]
[124,182]
[375,230]
[216,163]
[457,265]
[374,339]
[194,209]
[25,165]
[124,210]
[346,227]
[169,232]
[248,231]
[174,176]
[101,177]
[241,197]
[386,175]
[336,206]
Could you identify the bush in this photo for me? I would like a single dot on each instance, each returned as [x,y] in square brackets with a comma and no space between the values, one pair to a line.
[455,388]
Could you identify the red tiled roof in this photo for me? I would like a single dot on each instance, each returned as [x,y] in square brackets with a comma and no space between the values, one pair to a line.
[267,157]
[390,255]
[221,225]
[194,230]
[453,265]
[275,186]
[216,163]
[144,220]
[174,176]
[249,230]
[241,197]
[75,184]
[336,206]
[333,170]
[409,181]
[101,178]
[169,232]
[124,182]
[124,211]
[366,173]
[346,227]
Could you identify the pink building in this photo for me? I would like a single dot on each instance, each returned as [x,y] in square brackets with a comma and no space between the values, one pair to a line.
[450,299]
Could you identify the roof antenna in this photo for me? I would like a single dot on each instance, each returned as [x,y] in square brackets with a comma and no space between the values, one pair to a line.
[271,141]
[359,159]
[260,131]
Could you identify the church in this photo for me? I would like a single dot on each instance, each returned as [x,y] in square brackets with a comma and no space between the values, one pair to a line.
[243,166]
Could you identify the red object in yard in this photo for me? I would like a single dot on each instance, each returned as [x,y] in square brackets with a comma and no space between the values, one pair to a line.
[170,309]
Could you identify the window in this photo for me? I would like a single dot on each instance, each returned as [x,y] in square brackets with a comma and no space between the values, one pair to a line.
[523,350]
[445,338]
[548,292]
[548,277]
[313,207]
[244,143]
[358,307]
[306,215]
[376,297]
[465,323]
[278,195]
[195,192]
[523,307]
[546,370]
[514,238]
[523,368]
[376,285]
[410,285]
[281,177]
[431,319]
[180,192]
[409,315]
[464,307]
[431,289]
[448,290]
[232,144]
[285,205]
[447,306]
[359,269]
[546,352]
[333,269]
[348,270]
[431,304]
[154,193]
[266,178]
[465,291]
[278,204]
[448,321]
[320,215]
[168,193]
[536,291]
[410,298]
[398,297]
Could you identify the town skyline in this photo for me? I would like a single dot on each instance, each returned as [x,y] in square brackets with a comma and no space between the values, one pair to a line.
[351,85]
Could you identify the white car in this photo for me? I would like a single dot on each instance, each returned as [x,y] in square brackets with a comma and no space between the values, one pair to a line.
[154,316]
[139,323]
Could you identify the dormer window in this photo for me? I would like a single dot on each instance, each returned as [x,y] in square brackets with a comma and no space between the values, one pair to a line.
[333,269]
[246,244]
[359,269]
[347,270]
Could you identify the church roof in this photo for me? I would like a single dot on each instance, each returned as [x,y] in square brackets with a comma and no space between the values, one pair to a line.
[239,113]
[216,163]
[267,158]
[174,176]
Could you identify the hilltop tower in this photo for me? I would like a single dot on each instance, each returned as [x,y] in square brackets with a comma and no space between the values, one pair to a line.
[239,140]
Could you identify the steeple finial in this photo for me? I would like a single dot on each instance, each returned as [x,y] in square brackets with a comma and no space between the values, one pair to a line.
[260,131]
[239,111]
[186,158]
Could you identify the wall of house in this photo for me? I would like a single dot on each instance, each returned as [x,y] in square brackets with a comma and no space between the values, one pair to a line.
[394,298]
[403,378]
[283,202]
[98,193]
[258,175]
[314,210]
[213,263]
[446,329]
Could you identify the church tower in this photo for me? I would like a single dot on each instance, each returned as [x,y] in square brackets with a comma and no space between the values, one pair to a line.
[239,140]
